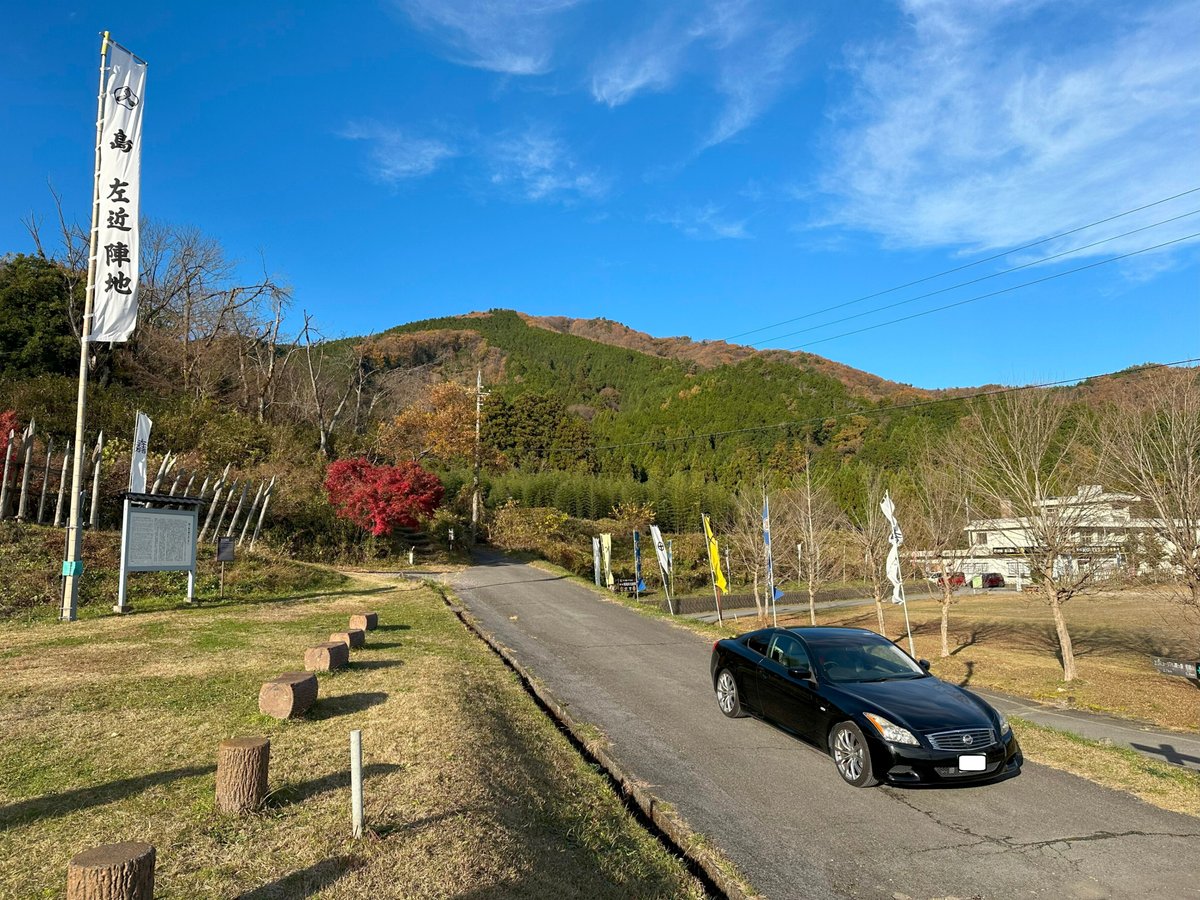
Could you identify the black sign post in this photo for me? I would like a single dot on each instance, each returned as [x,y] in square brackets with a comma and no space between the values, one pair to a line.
[1181,668]
[225,547]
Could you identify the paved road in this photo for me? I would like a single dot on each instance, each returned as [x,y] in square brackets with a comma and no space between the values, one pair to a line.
[777,807]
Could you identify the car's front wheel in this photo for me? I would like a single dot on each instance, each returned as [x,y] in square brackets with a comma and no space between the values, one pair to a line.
[851,755]
[727,695]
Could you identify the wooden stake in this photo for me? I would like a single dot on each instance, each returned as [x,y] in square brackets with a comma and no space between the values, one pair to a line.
[45,481]
[97,462]
[8,454]
[62,488]
[26,470]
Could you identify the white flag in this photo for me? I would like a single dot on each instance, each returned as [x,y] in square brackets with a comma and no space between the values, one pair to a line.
[137,462]
[119,192]
[660,550]
[896,538]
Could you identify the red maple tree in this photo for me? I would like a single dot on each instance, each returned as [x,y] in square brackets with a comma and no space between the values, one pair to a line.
[378,498]
[8,422]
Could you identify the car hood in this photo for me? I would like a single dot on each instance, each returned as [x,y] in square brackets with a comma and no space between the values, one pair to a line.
[921,704]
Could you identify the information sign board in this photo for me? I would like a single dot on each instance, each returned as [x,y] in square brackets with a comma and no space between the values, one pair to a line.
[160,540]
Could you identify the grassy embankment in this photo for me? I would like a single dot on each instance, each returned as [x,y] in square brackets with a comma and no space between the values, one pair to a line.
[112,724]
[1001,643]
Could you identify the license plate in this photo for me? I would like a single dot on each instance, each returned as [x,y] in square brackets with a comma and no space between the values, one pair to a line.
[972,763]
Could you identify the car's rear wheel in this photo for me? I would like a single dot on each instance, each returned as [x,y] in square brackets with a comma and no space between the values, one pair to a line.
[727,695]
[851,755]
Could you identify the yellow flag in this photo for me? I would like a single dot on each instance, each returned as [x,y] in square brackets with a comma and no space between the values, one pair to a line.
[714,557]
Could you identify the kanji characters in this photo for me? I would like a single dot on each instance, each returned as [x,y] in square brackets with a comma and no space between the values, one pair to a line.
[119,283]
[116,191]
[121,142]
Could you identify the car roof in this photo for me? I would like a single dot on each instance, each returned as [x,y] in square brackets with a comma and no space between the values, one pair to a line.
[818,631]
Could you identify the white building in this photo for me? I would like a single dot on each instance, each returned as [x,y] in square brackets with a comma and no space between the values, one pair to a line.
[1106,535]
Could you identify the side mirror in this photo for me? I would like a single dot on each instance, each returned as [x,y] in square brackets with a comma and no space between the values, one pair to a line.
[801,672]
[924,664]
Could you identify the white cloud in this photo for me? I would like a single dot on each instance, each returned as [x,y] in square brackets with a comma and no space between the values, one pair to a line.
[987,124]
[742,47]
[536,165]
[705,223]
[516,37]
[396,155]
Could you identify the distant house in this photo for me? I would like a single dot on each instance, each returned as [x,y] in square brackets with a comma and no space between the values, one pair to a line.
[1107,535]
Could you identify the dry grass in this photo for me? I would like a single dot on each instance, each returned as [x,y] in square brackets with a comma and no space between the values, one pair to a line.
[111,728]
[1007,642]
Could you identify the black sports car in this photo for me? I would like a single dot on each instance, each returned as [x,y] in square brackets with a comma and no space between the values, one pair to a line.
[863,700]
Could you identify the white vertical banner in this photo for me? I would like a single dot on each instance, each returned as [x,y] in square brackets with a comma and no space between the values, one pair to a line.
[119,188]
[895,538]
[141,445]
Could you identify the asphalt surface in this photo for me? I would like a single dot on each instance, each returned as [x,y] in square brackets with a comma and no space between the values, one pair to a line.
[776,806]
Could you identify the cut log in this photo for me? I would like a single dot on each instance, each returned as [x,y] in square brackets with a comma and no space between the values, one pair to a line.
[242,765]
[366,621]
[122,871]
[288,696]
[327,656]
[353,638]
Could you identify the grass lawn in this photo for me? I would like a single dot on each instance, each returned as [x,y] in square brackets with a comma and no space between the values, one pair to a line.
[111,727]
[1006,641]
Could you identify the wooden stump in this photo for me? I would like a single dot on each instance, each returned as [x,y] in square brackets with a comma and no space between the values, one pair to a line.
[324,657]
[365,621]
[122,871]
[242,765]
[353,638]
[288,696]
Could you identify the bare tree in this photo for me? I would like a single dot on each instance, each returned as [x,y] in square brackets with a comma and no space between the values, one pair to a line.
[1024,460]
[869,530]
[1152,448]
[329,391]
[812,525]
[940,490]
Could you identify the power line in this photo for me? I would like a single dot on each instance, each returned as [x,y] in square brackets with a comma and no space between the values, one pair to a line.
[969,265]
[870,411]
[1015,287]
[953,287]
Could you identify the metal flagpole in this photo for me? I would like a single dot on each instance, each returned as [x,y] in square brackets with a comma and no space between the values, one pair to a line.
[912,651]
[73,565]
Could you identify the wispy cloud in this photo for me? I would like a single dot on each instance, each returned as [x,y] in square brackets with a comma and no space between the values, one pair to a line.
[396,155]
[743,48]
[988,123]
[536,165]
[704,223]
[515,37]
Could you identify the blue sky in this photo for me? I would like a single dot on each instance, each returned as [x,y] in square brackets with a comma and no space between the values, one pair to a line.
[702,168]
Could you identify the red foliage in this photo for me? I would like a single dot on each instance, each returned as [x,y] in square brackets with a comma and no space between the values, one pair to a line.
[378,498]
[8,422]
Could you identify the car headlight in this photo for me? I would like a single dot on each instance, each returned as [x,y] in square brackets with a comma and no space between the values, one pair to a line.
[892,732]
[1005,728]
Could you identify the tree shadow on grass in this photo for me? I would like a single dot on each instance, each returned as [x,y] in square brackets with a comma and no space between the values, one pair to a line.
[305,882]
[289,794]
[368,664]
[329,707]
[53,805]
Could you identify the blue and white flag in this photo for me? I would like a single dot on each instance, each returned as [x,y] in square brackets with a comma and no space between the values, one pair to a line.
[637,561]
[775,593]
[596,560]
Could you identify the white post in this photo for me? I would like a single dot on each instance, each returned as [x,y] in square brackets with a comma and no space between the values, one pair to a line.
[912,651]
[122,579]
[72,568]
[356,789]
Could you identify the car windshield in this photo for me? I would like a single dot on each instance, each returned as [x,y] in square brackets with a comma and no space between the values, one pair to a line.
[861,658]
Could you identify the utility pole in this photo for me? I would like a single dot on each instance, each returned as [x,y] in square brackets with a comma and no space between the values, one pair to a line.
[475,501]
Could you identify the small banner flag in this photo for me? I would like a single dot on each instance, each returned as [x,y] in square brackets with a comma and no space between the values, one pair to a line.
[775,592]
[660,550]
[896,538]
[596,560]
[141,446]
[714,556]
[606,559]
[637,561]
[118,193]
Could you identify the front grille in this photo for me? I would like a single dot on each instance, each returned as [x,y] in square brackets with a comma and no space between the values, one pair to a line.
[955,772]
[962,740]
